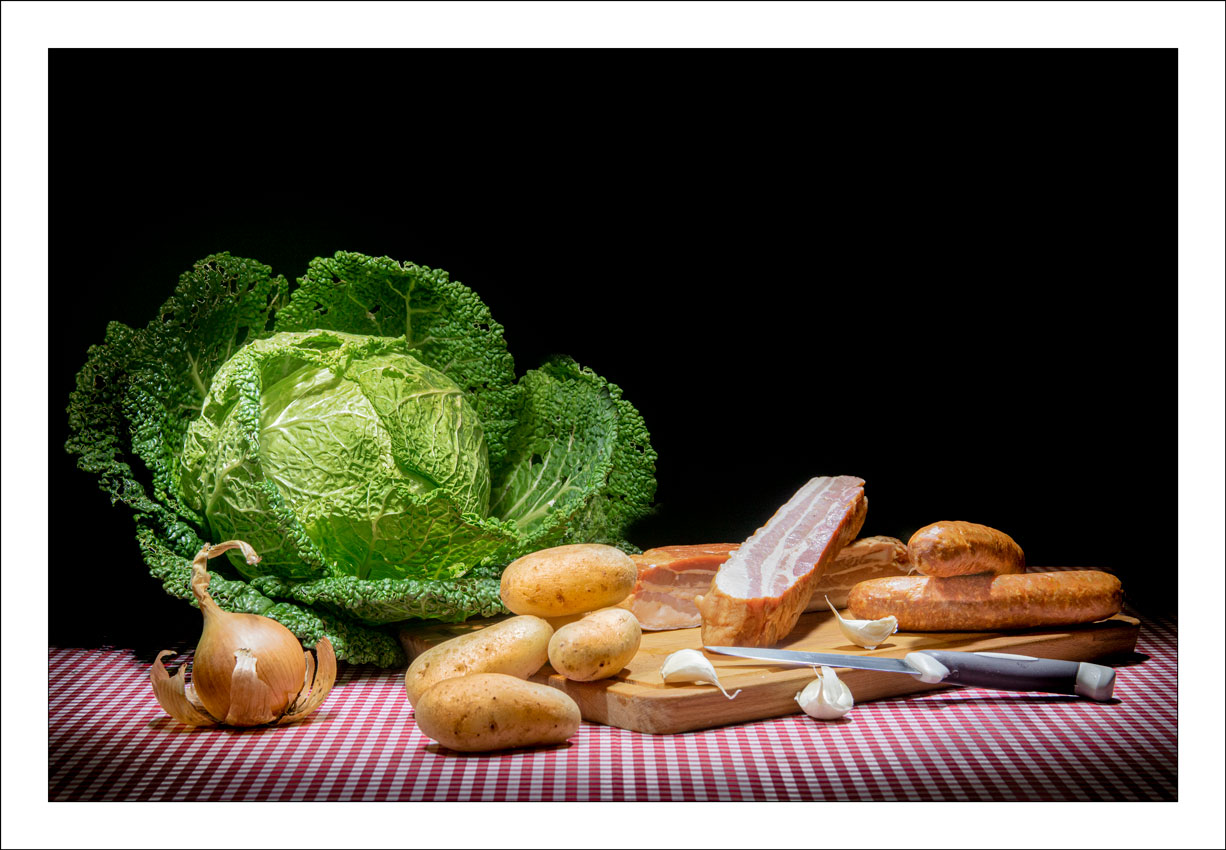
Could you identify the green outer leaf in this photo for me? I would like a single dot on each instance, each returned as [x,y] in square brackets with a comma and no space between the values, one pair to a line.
[630,487]
[97,430]
[559,454]
[221,304]
[392,600]
[580,467]
[444,323]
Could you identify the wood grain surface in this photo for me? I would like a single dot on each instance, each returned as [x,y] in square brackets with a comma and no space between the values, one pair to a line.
[638,698]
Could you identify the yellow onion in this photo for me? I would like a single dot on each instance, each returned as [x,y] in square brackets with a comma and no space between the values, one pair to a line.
[248,670]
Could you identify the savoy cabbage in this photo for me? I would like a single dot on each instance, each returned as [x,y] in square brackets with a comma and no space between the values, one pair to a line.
[366,432]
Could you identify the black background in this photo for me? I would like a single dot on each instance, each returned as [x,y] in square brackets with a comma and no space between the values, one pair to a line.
[949,273]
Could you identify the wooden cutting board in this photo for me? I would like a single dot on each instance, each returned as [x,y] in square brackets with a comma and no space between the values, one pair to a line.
[638,699]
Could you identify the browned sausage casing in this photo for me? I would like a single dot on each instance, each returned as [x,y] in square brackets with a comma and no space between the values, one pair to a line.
[988,602]
[963,549]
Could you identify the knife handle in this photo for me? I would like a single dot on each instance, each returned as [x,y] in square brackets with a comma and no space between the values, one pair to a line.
[1006,672]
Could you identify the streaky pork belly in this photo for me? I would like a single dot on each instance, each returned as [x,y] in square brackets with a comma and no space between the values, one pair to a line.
[759,593]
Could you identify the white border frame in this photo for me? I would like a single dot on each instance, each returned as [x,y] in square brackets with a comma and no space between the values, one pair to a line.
[1195,28]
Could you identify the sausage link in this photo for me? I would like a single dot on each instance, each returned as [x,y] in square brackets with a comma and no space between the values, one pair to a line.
[989,602]
[964,548]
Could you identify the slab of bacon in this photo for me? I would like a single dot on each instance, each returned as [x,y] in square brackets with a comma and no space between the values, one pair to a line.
[671,577]
[759,593]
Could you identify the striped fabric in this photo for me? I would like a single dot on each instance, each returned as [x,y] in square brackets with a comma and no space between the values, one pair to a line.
[109,740]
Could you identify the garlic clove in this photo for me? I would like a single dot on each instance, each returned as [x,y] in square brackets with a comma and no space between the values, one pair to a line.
[866,633]
[690,665]
[320,677]
[827,697]
[173,696]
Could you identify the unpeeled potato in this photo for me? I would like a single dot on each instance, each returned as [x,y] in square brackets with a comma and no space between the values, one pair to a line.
[517,647]
[597,646]
[493,711]
[570,579]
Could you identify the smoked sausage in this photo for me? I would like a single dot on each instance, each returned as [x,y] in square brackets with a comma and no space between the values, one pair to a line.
[964,548]
[989,602]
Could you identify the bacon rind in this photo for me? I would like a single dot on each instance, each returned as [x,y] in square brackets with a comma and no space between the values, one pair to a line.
[817,531]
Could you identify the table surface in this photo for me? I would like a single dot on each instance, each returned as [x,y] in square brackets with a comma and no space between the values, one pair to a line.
[109,740]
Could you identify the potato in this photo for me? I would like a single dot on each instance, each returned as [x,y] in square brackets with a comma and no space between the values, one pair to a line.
[596,647]
[493,711]
[517,647]
[559,622]
[569,579]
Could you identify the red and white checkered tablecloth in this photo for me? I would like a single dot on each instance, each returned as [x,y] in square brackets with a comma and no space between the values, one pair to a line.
[109,740]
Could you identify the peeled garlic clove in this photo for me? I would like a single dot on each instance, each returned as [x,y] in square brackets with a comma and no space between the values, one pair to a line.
[826,697]
[690,665]
[172,694]
[866,633]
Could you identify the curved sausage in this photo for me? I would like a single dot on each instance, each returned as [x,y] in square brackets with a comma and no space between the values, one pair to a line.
[964,548]
[989,602]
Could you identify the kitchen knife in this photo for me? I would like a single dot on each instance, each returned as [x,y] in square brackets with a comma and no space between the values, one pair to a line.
[998,670]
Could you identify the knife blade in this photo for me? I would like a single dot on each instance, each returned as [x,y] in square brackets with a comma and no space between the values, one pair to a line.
[998,670]
[829,659]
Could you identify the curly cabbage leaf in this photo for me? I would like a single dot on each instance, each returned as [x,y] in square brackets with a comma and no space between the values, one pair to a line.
[371,374]
[442,322]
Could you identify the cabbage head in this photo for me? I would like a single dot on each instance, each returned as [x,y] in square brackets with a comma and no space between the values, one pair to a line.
[325,450]
[366,431]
